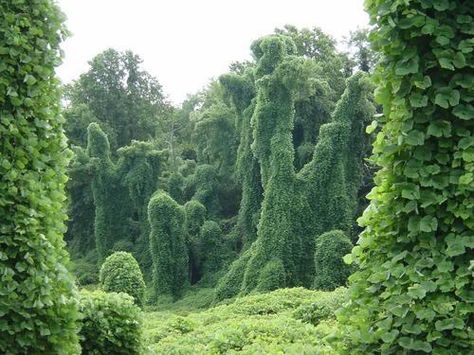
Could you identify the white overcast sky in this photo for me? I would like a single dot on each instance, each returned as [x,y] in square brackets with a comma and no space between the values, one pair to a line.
[184,43]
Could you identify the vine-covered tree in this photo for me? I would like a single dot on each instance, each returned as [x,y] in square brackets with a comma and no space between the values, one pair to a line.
[37,307]
[322,196]
[110,199]
[414,290]
[167,245]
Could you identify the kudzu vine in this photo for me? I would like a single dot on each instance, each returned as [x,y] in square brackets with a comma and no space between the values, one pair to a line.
[38,307]
[414,290]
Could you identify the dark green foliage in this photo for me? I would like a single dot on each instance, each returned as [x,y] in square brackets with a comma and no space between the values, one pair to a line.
[272,276]
[120,273]
[176,187]
[319,198]
[167,245]
[77,119]
[139,167]
[279,82]
[110,324]
[330,269]
[37,306]
[413,292]
[121,193]
[86,270]
[241,90]
[111,200]
[205,184]
[195,216]
[335,172]
[229,285]
[81,211]
[210,246]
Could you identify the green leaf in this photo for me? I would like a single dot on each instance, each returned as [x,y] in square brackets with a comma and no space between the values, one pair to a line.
[441,5]
[407,67]
[446,63]
[466,142]
[418,100]
[371,128]
[348,259]
[416,291]
[447,97]
[449,323]
[428,224]
[466,81]
[459,60]
[415,137]
[416,345]
[424,83]
[439,129]
[455,245]
[390,336]
[464,112]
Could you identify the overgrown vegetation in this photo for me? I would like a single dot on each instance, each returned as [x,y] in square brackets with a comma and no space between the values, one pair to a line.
[228,224]
[37,295]
[110,323]
[291,321]
[120,273]
[413,292]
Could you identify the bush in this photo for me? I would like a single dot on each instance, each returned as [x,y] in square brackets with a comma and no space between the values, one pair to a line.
[120,273]
[323,308]
[331,271]
[110,323]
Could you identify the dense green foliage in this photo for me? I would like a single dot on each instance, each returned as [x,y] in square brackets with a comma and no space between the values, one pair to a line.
[119,95]
[414,290]
[37,306]
[167,245]
[120,273]
[289,321]
[322,196]
[245,197]
[330,269]
[242,156]
[110,324]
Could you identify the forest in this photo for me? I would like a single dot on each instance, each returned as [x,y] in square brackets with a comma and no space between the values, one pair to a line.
[311,200]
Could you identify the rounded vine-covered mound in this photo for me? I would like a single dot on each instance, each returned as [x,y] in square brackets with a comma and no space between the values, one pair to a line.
[120,273]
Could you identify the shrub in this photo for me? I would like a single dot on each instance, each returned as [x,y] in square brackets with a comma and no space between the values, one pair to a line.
[331,271]
[120,273]
[110,323]
[323,308]
[167,245]
[37,302]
